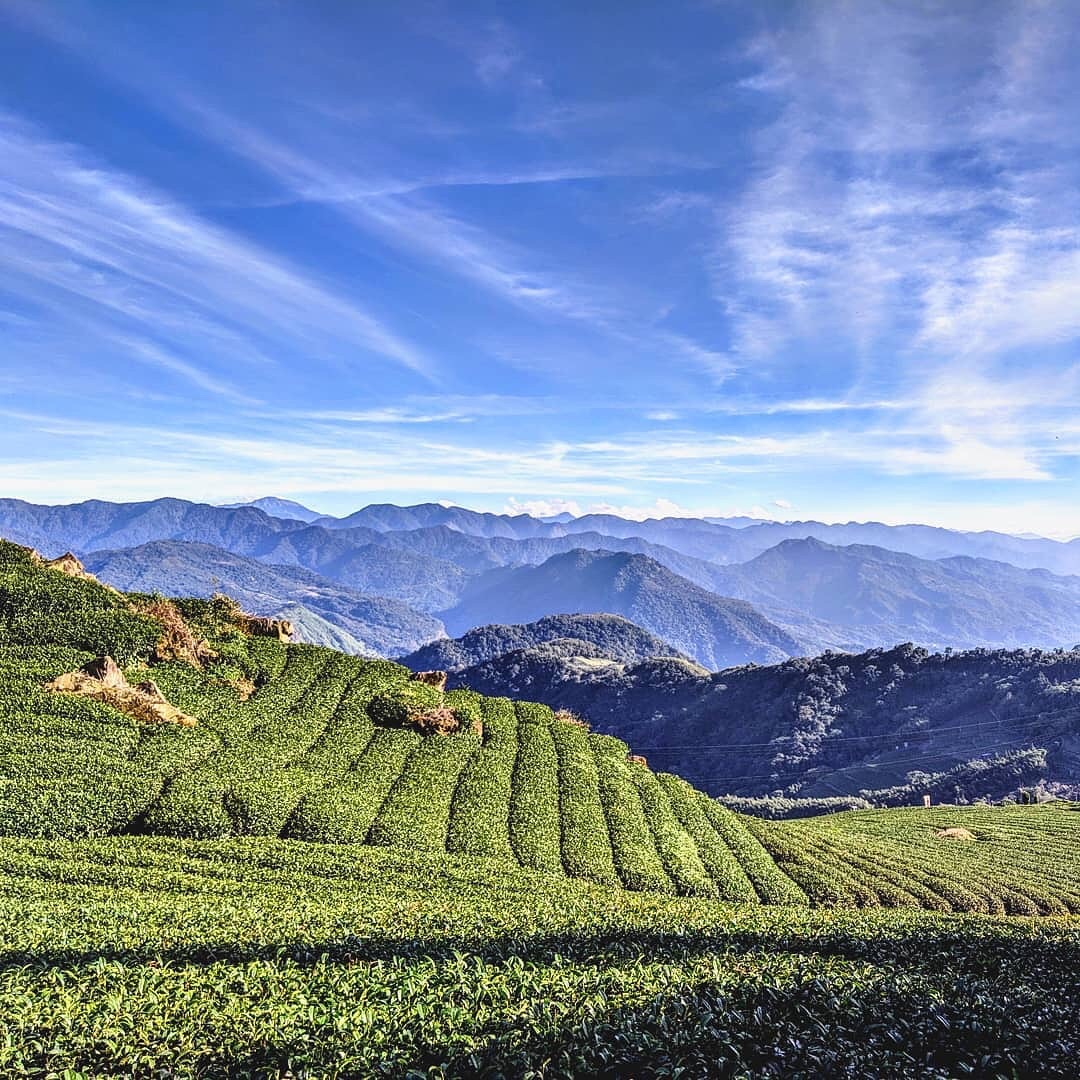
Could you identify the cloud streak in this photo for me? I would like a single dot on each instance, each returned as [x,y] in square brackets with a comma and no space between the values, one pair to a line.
[80,237]
[487,264]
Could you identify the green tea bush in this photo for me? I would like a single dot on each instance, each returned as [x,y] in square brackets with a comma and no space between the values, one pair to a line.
[771,884]
[823,879]
[71,794]
[535,831]
[350,728]
[344,812]
[721,865]
[237,788]
[191,806]
[466,707]
[480,809]
[39,606]
[586,848]
[417,809]
[674,844]
[398,708]
[633,848]
[256,957]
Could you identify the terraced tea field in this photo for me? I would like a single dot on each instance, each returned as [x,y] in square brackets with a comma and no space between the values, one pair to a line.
[258,957]
[302,885]
[309,755]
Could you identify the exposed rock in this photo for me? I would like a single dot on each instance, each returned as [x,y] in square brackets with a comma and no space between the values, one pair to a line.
[439,721]
[259,626]
[70,565]
[956,833]
[102,680]
[178,641]
[106,670]
[431,678]
[637,759]
[151,691]
[256,625]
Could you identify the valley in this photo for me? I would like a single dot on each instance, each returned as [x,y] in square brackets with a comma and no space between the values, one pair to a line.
[885,668]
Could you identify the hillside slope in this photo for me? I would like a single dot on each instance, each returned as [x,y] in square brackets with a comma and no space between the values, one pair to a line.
[270,958]
[310,628]
[381,626]
[303,742]
[978,723]
[716,631]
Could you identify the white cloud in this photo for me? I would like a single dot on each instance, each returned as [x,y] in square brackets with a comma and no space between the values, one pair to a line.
[543,507]
[388,415]
[851,228]
[100,246]
[660,508]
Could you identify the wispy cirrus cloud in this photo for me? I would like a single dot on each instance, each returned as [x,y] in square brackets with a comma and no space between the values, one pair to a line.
[97,246]
[876,291]
[386,197]
[903,195]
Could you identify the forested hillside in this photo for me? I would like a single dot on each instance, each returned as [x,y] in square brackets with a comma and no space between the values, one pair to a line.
[892,723]
[612,636]
[713,630]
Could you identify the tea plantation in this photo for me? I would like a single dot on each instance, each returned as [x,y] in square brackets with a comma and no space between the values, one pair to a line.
[305,883]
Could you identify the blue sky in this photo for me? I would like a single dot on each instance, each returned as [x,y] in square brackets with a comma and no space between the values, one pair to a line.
[801,260]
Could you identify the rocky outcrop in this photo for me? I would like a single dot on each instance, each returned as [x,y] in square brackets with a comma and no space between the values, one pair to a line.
[956,833]
[178,640]
[68,563]
[255,625]
[259,626]
[102,680]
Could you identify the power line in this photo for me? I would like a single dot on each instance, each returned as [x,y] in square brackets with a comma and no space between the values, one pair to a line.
[776,744]
[871,765]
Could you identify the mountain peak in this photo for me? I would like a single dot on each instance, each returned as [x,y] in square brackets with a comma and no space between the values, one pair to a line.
[278,507]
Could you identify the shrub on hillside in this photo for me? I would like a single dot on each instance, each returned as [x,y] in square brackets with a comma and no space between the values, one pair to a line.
[568,716]
[465,705]
[425,709]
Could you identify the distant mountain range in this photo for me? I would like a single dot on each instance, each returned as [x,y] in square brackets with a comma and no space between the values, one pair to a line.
[872,596]
[724,540]
[611,636]
[716,631]
[282,508]
[723,593]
